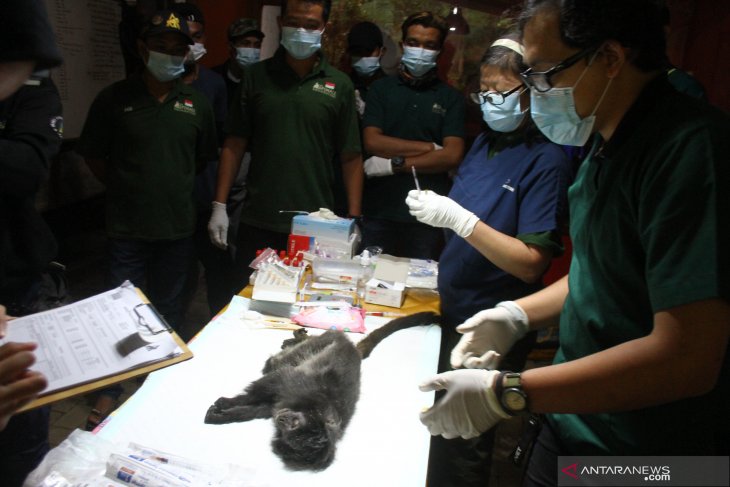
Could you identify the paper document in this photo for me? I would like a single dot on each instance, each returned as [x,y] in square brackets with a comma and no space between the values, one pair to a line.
[94,338]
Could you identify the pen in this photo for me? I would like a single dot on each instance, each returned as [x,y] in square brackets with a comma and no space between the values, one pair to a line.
[415,178]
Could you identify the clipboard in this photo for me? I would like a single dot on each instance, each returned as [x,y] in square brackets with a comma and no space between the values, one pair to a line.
[157,325]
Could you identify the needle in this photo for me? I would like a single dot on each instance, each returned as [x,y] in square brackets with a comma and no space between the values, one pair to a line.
[415,178]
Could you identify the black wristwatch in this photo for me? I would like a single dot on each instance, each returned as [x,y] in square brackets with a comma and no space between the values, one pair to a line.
[510,393]
[397,162]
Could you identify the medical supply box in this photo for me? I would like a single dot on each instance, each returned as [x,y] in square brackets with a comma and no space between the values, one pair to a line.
[338,229]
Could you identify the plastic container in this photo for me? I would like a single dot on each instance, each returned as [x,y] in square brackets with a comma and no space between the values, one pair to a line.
[336,270]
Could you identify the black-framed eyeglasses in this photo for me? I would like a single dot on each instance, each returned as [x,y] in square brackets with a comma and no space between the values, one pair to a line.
[542,80]
[492,97]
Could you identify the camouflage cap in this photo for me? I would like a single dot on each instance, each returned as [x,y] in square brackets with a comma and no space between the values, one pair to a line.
[166,21]
[244,27]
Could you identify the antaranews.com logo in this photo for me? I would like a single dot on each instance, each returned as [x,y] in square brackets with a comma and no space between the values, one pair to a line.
[639,471]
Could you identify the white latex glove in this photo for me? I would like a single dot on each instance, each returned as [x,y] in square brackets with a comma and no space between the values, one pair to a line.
[218,225]
[441,211]
[377,166]
[488,335]
[470,406]
[359,103]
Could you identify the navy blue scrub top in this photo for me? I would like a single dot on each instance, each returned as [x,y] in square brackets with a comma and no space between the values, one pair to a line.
[521,190]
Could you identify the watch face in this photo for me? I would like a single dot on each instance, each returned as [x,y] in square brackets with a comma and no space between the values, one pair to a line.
[398,161]
[514,400]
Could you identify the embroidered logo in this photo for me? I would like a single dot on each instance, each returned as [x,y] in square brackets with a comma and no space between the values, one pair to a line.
[436,108]
[186,107]
[173,22]
[507,186]
[128,109]
[328,88]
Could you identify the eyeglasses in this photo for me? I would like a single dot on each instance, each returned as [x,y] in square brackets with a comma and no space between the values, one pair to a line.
[492,97]
[541,80]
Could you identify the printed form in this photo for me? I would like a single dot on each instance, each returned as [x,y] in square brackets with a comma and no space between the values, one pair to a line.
[94,338]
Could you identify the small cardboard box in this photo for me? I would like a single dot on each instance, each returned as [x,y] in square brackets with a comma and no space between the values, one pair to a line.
[314,226]
[388,285]
[385,296]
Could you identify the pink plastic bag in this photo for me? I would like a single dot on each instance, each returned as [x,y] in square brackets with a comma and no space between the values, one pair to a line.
[342,318]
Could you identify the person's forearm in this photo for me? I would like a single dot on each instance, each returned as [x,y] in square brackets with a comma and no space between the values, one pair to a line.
[230,161]
[523,261]
[543,307]
[353,178]
[673,362]
[378,144]
[438,161]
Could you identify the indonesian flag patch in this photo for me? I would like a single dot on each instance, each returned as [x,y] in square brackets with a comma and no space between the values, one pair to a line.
[329,85]
[188,103]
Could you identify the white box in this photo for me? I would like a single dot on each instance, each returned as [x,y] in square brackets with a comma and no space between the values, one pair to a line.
[314,226]
[392,295]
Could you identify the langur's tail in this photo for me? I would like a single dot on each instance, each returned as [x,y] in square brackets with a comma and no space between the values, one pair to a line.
[367,344]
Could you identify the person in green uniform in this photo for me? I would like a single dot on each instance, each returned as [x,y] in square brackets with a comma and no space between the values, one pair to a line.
[145,137]
[296,114]
[412,119]
[644,313]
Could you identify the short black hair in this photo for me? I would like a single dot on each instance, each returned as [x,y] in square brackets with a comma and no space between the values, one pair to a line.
[635,24]
[426,19]
[326,6]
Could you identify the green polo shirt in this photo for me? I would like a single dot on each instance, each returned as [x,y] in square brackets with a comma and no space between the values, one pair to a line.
[152,151]
[649,223]
[297,128]
[426,114]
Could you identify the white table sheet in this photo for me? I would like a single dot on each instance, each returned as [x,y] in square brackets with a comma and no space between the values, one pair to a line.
[384,445]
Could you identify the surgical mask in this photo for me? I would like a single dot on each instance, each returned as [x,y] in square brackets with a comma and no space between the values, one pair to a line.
[197,51]
[505,117]
[554,114]
[246,56]
[366,66]
[419,61]
[301,43]
[165,67]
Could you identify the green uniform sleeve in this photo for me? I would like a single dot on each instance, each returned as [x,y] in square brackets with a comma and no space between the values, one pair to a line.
[683,201]
[374,115]
[546,240]
[348,128]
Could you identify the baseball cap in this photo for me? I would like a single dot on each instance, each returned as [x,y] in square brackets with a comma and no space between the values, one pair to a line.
[189,12]
[365,36]
[166,21]
[244,27]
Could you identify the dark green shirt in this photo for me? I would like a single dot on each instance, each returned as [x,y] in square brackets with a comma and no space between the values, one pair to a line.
[152,151]
[296,127]
[427,114]
[649,223]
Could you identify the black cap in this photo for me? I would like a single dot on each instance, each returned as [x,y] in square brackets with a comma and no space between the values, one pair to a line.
[244,27]
[166,21]
[365,36]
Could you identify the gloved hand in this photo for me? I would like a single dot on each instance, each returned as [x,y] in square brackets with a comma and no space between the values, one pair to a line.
[470,406]
[488,335]
[441,211]
[218,225]
[377,166]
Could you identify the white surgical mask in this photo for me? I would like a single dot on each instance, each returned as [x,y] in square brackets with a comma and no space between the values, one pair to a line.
[165,67]
[301,43]
[419,61]
[554,114]
[197,51]
[505,117]
[366,66]
[246,56]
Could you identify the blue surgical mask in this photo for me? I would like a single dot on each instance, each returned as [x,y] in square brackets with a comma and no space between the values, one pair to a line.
[165,67]
[419,61]
[301,43]
[246,56]
[366,66]
[505,117]
[197,51]
[554,114]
